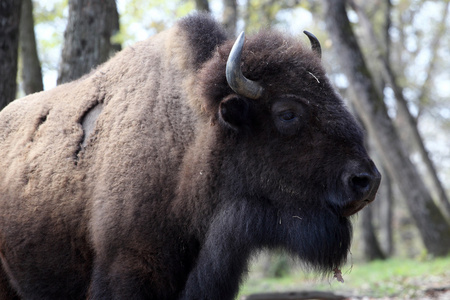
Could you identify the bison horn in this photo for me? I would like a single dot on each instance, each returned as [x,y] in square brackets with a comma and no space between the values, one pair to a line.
[315,44]
[236,80]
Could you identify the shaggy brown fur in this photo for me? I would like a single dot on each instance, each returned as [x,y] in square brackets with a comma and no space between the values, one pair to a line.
[150,179]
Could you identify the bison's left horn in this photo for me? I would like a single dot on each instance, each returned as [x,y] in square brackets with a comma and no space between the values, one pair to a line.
[315,44]
[236,80]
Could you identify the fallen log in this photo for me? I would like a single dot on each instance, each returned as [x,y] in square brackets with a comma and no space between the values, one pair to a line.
[295,296]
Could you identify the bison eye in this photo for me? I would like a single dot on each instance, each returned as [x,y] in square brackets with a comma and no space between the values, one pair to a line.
[287,116]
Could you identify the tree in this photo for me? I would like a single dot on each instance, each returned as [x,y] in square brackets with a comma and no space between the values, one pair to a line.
[230,16]
[263,13]
[386,214]
[202,5]
[371,247]
[31,67]
[9,40]
[87,40]
[433,227]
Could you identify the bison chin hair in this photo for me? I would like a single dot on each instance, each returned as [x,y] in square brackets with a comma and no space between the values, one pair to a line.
[321,238]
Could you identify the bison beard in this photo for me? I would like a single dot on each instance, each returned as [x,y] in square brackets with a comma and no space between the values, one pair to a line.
[239,229]
[160,173]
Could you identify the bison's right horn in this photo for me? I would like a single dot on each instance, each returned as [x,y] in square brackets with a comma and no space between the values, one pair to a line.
[315,44]
[236,80]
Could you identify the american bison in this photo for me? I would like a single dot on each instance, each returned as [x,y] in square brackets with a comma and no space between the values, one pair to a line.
[160,173]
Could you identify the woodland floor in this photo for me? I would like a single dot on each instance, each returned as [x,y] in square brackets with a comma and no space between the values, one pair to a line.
[390,279]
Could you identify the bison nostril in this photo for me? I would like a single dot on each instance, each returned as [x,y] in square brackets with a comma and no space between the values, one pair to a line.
[361,182]
[362,187]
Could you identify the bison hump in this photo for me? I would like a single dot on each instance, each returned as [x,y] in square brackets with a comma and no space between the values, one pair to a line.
[204,35]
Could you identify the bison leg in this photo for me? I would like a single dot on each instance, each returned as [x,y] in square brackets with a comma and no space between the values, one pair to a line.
[217,274]
[132,275]
[223,259]
[116,282]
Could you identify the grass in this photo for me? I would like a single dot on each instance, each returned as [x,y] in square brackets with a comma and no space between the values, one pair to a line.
[402,278]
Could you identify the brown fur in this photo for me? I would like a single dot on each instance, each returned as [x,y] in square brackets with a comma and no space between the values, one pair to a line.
[172,190]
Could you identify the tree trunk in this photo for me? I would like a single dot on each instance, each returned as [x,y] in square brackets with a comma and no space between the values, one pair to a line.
[202,5]
[31,67]
[9,40]
[87,38]
[438,37]
[433,227]
[412,127]
[371,247]
[305,295]
[386,208]
[230,16]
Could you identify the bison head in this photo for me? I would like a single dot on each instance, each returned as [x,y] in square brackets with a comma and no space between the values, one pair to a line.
[295,156]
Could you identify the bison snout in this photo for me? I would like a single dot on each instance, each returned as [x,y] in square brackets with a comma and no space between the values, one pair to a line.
[362,187]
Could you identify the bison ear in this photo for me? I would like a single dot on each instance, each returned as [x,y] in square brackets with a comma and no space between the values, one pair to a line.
[234,112]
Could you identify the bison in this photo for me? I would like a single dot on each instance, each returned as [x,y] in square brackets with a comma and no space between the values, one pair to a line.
[160,173]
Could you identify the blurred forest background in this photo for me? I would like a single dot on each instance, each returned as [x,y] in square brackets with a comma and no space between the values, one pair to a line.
[389,59]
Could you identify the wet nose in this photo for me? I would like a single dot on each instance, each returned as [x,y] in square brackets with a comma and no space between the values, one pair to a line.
[362,188]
